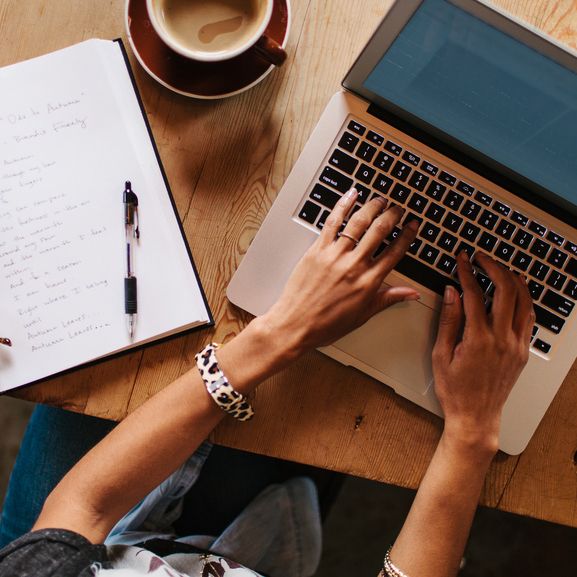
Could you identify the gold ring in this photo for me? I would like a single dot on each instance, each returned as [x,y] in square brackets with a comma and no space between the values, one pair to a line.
[355,240]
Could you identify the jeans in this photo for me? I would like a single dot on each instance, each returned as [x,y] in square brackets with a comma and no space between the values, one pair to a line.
[56,439]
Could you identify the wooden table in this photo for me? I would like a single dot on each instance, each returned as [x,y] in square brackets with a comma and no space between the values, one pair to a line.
[226,161]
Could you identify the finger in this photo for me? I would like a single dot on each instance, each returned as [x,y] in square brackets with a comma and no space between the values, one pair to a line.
[388,296]
[450,325]
[335,219]
[473,303]
[528,334]
[391,256]
[505,298]
[379,230]
[524,307]
[360,222]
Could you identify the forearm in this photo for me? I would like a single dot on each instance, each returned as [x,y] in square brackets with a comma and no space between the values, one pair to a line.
[433,538]
[155,440]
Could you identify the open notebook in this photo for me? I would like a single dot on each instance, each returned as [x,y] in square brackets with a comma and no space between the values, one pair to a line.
[72,131]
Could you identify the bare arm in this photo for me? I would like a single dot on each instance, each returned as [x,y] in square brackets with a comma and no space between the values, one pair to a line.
[335,288]
[473,378]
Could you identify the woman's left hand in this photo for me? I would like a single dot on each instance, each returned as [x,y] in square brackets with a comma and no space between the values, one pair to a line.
[338,284]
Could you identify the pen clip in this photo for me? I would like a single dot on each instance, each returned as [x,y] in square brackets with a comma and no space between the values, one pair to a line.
[131,209]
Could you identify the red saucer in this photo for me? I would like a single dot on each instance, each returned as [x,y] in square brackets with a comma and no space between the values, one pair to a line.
[194,78]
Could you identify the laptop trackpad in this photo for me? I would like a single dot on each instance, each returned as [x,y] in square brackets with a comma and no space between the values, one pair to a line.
[397,342]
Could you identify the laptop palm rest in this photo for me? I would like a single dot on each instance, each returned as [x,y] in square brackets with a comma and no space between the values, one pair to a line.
[397,342]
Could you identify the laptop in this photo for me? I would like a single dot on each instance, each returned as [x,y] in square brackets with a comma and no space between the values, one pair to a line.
[467,118]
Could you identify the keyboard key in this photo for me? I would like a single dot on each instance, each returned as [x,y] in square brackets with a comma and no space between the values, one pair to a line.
[325,196]
[470,250]
[323,219]
[523,238]
[435,212]
[395,234]
[366,151]
[412,216]
[469,232]
[424,275]
[417,203]
[521,261]
[571,268]
[401,171]
[375,138]
[557,303]
[446,264]
[453,200]
[447,241]
[571,289]
[555,238]
[535,289]
[471,210]
[504,251]
[418,181]
[483,198]
[348,141]
[309,211]
[505,229]
[400,193]
[343,161]
[539,270]
[452,222]
[384,161]
[571,247]
[537,228]
[365,173]
[363,193]
[519,218]
[488,219]
[356,127]
[429,232]
[415,246]
[411,158]
[540,248]
[394,148]
[556,280]
[548,320]
[447,178]
[542,346]
[484,281]
[383,183]
[430,168]
[436,190]
[336,179]
[487,242]
[466,188]
[429,254]
[557,258]
[501,208]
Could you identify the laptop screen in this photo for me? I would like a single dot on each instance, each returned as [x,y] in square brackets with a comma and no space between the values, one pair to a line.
[487,90]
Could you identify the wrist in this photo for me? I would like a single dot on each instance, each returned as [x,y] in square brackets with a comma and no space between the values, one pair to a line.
[470,440]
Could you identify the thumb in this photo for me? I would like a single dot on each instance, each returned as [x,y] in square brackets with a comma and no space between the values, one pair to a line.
[389,296]
[450,322]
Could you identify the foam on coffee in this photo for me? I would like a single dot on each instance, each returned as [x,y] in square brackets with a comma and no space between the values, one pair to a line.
[211,25]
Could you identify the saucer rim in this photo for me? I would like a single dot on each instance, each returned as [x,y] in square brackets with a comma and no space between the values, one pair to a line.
[191,94]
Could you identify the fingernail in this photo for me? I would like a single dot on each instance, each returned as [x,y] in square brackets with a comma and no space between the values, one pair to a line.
[449,297]
[414,224]
[352,193]
[412,297]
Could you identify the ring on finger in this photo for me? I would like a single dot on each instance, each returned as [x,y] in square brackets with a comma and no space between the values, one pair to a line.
[350,237]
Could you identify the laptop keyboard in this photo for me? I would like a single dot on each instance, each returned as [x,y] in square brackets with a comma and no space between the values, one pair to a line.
[454,216]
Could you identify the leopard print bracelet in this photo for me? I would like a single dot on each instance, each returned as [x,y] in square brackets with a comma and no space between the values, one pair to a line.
[217,385]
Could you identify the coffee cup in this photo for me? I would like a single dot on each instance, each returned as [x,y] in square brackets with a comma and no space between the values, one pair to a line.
[215,30]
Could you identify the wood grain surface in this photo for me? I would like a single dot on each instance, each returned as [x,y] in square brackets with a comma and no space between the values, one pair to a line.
[226,161]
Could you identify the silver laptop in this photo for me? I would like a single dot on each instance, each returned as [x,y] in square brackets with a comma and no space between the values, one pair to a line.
[468,119]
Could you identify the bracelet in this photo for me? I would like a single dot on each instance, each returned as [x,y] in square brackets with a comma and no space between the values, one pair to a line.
[389,568]
[218,387]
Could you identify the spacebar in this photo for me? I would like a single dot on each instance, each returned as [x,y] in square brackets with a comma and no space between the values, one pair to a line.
[424,275]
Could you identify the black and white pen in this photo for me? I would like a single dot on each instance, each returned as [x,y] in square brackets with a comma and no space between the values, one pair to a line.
[131,232]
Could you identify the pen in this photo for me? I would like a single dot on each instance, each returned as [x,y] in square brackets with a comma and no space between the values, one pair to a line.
[5,341]
[131,231]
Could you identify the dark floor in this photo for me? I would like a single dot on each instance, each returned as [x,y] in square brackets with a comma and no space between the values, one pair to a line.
[367,516]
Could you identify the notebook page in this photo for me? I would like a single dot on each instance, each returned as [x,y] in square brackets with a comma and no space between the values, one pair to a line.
[64,156]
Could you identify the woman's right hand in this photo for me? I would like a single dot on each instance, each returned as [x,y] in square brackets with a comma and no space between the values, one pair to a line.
[479,356]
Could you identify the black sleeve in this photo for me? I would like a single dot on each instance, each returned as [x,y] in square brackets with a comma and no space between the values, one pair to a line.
[51,553]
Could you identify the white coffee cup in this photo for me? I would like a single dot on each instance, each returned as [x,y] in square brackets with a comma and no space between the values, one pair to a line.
[215,30]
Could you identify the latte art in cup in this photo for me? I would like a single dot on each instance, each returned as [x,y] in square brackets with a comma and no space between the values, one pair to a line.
[211,26]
